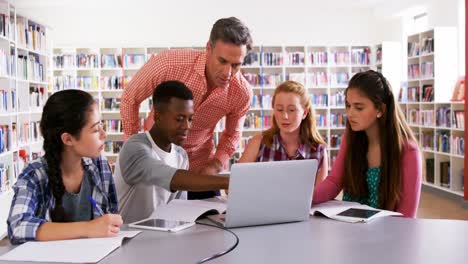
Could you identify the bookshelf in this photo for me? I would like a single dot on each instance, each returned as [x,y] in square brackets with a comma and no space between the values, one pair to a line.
[388,62]
[24,78]
[437,122]
[324,71]
[104,72]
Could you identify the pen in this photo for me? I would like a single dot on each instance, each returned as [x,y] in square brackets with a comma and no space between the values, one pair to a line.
[93,202]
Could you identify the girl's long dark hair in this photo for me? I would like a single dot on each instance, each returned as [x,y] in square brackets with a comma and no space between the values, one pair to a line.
[394,133]
[64,112]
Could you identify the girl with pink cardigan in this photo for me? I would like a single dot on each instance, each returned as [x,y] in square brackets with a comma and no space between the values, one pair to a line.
[379,162]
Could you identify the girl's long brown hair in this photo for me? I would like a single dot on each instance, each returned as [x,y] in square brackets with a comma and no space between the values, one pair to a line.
[308,134]
[394,133]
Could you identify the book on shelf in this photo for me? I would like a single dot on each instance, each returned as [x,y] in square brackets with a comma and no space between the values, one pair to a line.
[458,145]
[443,117]
[443,141]
[445,174]
[272,58]
[430,170]
[318,58]
[413,49]
[428,93]
[427,45]
[252,59]
[111,61]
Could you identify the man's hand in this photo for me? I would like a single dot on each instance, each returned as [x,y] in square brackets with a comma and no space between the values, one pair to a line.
[212,167]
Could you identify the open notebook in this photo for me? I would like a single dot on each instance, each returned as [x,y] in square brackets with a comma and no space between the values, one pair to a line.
[91,250]
[189,210]
[349,211]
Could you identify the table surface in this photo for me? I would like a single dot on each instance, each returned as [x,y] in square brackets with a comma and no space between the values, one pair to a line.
[319,240]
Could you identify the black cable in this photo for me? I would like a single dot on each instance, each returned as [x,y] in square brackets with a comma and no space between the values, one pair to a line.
[217,255]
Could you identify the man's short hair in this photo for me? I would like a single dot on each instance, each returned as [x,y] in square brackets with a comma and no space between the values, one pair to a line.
[231,30]
[167,90]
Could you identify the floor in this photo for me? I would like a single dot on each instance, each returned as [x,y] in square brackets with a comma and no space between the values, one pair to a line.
[435,206]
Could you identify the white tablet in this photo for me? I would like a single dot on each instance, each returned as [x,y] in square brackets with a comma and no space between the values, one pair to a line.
[161,224]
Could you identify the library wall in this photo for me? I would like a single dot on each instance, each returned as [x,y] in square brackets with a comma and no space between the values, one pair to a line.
[104,24]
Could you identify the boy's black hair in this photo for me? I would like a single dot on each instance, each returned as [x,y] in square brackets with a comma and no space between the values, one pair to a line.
[167,90]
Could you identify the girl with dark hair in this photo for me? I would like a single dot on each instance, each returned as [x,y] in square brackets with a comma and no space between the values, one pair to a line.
[379,162]
[69,192]
[294,133]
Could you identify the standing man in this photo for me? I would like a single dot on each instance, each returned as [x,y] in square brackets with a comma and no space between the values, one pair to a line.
[218,88]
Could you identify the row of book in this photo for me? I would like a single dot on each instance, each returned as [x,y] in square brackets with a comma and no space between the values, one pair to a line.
[339,78]
[10,136]
[337,99]
[31,36]
[107,60]
[409,94]
[413,71]
[427,140]
[134,60]
[112,125]
[337,57]
[337,120]
[427,117]
[252,59]
[256,121]
[111,61]
[64,61]
[87,82]
[443,117]
[427,93]
[360,56]
[272,80]
[113,146]
[412,94]
[29,132]
[378,55]
[5,182]
[335,140]
[5,63]
[272,58]
[296,58]
[443,141]
[427,69]
[317,79]
[87,60]
[413,49]
[6,137]
[4,96]
[319,58]
[320,100]
[427,45]
[112,82]
[37,97]
[64,82]
[253,79]
[458,145]
[458,120]
[261,101]
[6,24]
[30,68]
[113,104]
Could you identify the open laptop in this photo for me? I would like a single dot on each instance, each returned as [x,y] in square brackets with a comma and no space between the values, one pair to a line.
[263,193]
